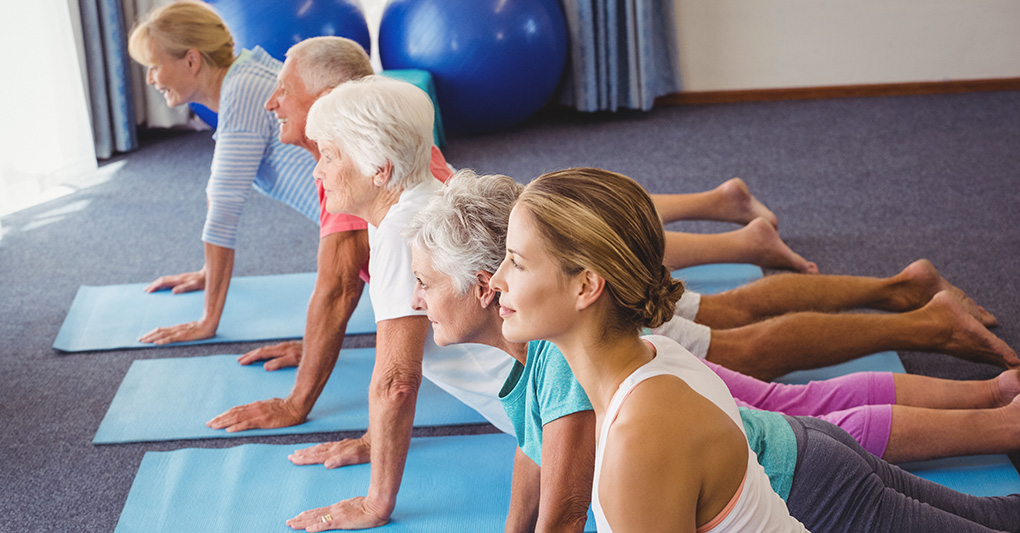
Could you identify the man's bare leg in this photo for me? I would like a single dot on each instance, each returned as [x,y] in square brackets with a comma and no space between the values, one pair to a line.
[757,243]
[797,341]
[778,294]
[731,201]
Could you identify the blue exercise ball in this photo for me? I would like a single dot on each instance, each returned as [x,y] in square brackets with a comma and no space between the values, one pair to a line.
[495,62]
[276,25]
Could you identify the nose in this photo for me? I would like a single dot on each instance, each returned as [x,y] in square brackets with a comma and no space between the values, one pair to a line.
[318,173]
[271,103]
[418,299]
[497,281]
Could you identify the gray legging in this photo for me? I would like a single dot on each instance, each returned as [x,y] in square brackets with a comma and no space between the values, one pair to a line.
[840,486]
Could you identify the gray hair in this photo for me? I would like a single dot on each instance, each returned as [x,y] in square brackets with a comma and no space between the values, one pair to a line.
[374,120]
[325,62]
[463,227]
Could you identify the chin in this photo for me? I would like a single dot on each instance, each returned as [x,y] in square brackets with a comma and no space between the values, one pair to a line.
[511,334]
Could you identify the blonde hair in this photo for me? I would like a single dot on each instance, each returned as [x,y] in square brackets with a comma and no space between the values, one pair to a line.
[182,26]
[326,62]
[605,222]
[374,120]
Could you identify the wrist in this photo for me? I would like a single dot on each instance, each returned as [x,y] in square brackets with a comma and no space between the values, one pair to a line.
[302,403]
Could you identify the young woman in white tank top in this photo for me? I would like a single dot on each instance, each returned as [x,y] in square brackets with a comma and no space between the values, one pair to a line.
[584,270]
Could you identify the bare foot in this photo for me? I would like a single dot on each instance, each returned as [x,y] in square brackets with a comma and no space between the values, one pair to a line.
[925,278]
[965,336]
[766,249]
[745,206]
[1006,387]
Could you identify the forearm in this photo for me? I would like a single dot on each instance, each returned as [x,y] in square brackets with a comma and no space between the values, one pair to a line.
[392,396]
[391,419]
[337,290]
[329,310]
[219,267]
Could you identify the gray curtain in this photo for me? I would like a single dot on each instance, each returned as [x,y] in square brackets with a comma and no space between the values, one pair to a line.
[110,99]
[621,54]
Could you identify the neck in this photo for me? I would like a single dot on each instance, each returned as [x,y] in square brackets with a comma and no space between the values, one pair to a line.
[210,83]
[601,363]
[381,204]
[311,146]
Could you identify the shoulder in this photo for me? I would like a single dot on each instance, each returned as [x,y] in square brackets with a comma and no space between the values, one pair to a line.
[249,83]
[664,413]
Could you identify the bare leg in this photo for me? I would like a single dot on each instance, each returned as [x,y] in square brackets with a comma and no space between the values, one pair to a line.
[774,295]
[757,243]
[919,433]
[730,202]
[795,341]
[934,393]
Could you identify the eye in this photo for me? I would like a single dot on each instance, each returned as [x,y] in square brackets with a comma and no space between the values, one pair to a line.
[421,284]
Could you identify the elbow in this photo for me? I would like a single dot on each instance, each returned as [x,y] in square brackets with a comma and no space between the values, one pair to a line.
[397,386]
[570,515]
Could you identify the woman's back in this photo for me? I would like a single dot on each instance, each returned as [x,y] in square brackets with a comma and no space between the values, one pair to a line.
[678,437]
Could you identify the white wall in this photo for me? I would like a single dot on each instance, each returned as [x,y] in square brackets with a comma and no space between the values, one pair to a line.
[760,44]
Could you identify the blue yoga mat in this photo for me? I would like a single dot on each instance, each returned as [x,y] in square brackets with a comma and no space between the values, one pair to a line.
[170,399]
[711,279]
[980,475]
[257,308]
[450,484]
[877,362]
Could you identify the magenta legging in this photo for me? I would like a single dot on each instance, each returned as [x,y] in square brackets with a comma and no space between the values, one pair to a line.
[859,403]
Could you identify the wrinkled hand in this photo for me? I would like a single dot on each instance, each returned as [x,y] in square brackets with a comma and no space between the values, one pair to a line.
[179,283]
[189,331]
[334,454]
[276,356]
[355,513]
[263,414]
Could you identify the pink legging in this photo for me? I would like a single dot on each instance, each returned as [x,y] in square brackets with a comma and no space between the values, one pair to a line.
[859,403]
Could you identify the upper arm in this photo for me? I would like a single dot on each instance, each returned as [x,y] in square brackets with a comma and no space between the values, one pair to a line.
[340,258]
[236,160]
[568,465]
[400,346]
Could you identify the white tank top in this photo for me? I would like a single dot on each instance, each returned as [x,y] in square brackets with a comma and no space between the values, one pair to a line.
[758,507]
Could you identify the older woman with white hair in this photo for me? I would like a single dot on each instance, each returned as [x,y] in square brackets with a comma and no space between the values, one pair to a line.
[375,138]
[458,243]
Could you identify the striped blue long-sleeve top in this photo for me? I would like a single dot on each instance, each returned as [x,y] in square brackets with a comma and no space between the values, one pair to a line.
[249,152]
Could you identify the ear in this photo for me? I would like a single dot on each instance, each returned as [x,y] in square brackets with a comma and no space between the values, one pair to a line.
[194,59]
[589,288]
[482,290]
[383,175]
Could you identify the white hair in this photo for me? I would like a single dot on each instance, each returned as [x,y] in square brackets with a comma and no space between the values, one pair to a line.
[374,120]
[325,62]
[463,227]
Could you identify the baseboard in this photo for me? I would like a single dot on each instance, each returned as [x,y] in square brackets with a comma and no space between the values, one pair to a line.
[839,91]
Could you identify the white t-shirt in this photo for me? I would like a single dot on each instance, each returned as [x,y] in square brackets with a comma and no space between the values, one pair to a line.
[758,508]
[472,373]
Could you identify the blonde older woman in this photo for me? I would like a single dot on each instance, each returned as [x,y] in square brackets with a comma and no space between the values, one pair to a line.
[189,53]
[375,137]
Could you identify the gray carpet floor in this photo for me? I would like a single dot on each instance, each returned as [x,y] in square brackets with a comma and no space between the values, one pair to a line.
[861,186]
